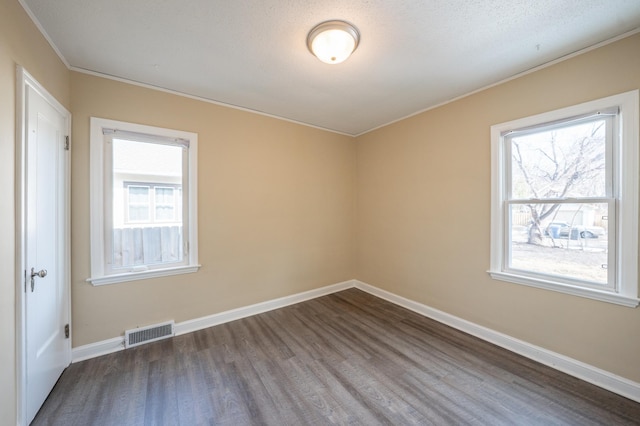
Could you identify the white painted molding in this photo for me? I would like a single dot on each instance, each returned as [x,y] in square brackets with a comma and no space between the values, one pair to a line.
[93,350]
[116,344]
[247,311]
[586,372]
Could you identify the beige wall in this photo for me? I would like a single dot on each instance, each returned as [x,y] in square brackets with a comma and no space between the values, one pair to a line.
[424,213]
[276,210]
[20,44]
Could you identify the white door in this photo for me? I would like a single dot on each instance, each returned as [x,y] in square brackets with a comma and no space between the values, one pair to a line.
[46,286]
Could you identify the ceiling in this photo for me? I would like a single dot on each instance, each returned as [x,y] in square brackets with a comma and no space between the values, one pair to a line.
[252,54]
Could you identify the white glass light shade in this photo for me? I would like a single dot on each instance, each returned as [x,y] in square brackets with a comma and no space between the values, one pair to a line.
[333,41]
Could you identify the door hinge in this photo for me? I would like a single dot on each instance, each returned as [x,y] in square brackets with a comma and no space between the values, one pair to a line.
[66,331]
[66,143]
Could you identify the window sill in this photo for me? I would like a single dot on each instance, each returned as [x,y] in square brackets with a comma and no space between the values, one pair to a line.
[603,296]
[143,275]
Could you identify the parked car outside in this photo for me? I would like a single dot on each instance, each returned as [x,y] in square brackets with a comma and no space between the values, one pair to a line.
[563,229]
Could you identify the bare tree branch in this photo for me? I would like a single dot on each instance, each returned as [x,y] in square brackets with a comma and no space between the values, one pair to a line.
[558,168]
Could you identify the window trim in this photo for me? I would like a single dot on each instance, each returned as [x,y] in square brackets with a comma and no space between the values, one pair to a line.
[626,171]
[99,276]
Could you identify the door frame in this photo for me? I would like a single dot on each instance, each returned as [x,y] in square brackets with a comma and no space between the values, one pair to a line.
[23,81]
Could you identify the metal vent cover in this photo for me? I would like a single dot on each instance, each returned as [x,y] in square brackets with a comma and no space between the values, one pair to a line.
[151,333]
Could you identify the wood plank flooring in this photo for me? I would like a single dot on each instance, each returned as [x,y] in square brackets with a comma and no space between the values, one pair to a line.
[347,358]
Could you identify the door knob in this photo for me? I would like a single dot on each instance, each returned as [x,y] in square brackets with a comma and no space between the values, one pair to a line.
[41,273]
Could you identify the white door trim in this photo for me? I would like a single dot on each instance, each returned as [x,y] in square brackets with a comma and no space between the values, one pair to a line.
[23,81]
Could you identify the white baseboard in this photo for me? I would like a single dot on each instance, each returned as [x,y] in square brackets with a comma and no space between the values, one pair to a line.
[247,311]
[115,344]
[96,349]
[586,372]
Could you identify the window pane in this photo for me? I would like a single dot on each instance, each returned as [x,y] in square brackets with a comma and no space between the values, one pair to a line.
[138,213]
[151,234]
[164,204]
[569,240]
[138,203]
[164,213]
[562,162]
[139,194]
[164,196]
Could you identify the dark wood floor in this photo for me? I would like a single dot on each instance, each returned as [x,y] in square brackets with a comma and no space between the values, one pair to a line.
[347,358]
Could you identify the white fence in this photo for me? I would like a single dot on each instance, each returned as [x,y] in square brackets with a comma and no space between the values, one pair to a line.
[147,245]
[524,219]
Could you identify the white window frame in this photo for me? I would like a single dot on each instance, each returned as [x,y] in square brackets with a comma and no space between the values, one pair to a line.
[100,240]
[624,290]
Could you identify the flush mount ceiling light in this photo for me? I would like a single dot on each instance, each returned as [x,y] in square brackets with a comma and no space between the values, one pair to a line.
[333,41]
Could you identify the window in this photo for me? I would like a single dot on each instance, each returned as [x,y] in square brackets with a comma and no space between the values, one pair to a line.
[138,203]
[164,204]
[564,212]
[143,199]
[143,202]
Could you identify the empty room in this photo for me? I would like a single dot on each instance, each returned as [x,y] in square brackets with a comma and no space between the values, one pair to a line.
[212,217]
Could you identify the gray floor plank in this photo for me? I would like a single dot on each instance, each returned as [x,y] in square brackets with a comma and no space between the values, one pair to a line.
[347,358]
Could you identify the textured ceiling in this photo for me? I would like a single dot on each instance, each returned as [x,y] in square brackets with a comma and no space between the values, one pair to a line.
[413,54]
